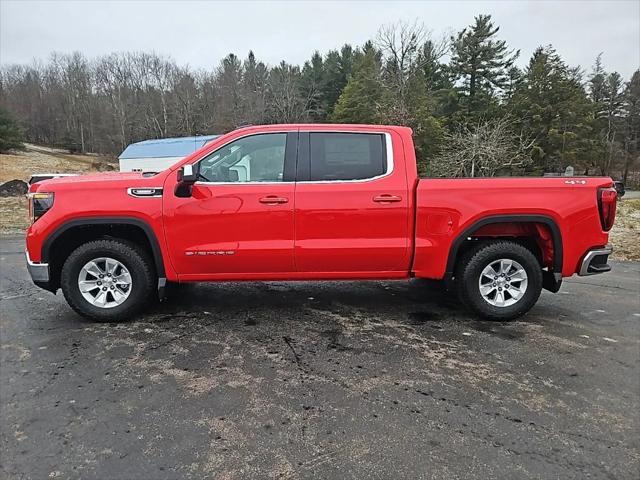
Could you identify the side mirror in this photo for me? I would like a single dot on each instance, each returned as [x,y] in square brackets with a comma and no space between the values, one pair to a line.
[187,176]
[619,186]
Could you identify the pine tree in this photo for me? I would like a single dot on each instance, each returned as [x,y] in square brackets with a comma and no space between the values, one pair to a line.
[313,87]
[10,134]
[362,98]
[631,119]
[229,110]
[551,107]
[254,89]
[338,67]
[481,63]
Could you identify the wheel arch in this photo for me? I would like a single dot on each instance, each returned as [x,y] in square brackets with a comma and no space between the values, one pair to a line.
[546,220]
[101,227]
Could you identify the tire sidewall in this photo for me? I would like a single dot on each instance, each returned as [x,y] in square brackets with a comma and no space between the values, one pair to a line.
[488,255]
[123,253]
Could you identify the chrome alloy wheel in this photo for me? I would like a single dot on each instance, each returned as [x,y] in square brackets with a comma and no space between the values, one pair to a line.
[104,282]
[503,282]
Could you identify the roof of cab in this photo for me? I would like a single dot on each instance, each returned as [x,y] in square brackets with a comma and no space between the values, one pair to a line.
[166,147]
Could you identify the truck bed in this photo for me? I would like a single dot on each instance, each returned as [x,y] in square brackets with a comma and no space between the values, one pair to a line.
[451,209]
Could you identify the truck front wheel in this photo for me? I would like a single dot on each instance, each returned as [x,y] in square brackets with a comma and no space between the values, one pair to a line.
[499,280]
[107,280]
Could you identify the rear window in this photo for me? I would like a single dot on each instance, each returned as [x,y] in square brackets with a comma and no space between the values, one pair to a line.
[347,156]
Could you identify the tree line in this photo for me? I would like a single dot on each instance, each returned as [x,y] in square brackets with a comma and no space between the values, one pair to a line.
[473,111]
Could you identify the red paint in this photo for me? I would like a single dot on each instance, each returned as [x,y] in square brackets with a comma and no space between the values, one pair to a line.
[390,227]
[232,218]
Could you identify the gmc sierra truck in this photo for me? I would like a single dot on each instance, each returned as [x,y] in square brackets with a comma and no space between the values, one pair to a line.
[313,202]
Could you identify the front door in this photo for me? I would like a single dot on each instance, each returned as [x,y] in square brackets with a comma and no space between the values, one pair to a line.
[239,221]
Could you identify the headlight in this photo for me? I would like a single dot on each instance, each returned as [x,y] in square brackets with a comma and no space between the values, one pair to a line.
[39,204]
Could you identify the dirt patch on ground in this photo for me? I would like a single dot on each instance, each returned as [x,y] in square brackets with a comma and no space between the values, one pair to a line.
[626,231]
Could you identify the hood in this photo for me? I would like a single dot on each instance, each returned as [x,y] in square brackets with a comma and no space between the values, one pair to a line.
[94,180]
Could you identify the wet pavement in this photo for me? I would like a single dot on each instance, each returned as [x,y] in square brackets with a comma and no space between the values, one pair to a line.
[348,380]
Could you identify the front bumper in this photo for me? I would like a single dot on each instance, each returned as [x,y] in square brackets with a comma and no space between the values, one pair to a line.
[595,261]
[39,272]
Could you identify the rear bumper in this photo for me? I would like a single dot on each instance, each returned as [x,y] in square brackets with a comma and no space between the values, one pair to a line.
[39,272]
[595,261]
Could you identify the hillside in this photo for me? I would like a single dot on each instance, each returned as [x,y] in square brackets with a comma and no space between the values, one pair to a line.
[39,159]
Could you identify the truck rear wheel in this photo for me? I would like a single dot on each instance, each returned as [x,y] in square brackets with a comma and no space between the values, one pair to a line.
[107,280]
[499,280]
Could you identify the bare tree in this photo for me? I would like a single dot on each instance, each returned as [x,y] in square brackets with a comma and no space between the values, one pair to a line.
[285,98]
[483,150]
[407,48]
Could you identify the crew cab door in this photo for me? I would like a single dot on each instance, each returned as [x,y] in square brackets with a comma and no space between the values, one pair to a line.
[352,204]
[239,219]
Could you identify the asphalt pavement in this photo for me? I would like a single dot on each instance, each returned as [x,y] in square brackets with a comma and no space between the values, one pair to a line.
[344,380]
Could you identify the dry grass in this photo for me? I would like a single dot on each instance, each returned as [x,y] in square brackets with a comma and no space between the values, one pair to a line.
[625,235]
[13,214]
[38,159]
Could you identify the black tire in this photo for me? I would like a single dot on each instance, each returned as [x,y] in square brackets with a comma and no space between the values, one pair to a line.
[132,257]
[473,262]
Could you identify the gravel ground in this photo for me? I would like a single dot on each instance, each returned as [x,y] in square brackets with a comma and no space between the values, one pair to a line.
[321,380]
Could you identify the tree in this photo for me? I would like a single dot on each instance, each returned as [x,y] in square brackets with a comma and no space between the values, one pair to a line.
[229,111]
[551,107]
[400,44]
[481,63]
[362,99]
[254,89]
[287,104]
[337,68]
[313,87]
[10,134]
[482,150]
[631,119]
[606,92]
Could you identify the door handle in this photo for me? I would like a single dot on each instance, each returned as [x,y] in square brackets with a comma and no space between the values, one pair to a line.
[386,198]
[273,200]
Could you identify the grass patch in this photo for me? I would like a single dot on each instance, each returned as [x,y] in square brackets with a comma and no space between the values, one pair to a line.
[625,234]
[14,214]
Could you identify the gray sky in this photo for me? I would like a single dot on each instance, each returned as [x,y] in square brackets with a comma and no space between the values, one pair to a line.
[200,33]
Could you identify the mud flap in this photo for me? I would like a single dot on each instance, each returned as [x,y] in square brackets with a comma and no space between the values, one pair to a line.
[551,281]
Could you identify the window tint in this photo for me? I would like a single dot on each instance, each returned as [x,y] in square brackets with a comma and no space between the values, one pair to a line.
[347,156]
[258,158]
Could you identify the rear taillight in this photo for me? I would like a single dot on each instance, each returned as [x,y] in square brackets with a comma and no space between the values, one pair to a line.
[607,201]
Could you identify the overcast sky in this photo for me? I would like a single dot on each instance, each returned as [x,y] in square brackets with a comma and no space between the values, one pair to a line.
[200,33]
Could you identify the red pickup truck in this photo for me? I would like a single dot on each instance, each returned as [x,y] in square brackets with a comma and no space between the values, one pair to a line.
[313,202]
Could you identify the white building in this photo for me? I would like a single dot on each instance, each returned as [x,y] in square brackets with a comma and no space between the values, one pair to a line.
[158,154]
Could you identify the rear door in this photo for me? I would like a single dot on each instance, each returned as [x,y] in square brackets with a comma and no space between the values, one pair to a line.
[352,205]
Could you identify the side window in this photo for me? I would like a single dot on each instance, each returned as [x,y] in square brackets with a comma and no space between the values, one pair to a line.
[347,156]
[258,158]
